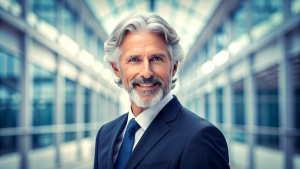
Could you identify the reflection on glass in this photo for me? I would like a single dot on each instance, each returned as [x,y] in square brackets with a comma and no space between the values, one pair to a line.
[87,38]
[239,109]
[10,98]
[99,108]
[8,144]
[42,140]
[220,105]
[221,38]
[296,96]
[100,48]
[45,10]
[42,107]
[69,22]
[43,97]
[267,105]
[266,15]
[207,105]
[70,136]
[87,109]
[239,20]
[70,93]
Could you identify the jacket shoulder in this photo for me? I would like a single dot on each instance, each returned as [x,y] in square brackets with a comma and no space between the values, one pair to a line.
[110,125]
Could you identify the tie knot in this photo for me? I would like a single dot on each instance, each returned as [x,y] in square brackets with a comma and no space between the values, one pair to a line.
[133,126]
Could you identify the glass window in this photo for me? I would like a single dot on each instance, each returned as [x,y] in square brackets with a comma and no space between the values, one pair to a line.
[10,98]
[267,105]
[87,38]
[99,108]
[42,140]
[220,107]
[42,107]
[70,136]
[265,16]
[100,51]
[70,100]
[8,144]
[69,22]
[9,89]
[45,10]
[239,21]
[207,105]
[239,110]
[296,96]
[87,109]
[43,97]
[221,39]
[262,10]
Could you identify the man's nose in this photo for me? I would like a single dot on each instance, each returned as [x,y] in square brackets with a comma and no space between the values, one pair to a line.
[146,71]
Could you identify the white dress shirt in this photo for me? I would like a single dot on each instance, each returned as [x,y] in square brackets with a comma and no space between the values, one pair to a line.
[144,119]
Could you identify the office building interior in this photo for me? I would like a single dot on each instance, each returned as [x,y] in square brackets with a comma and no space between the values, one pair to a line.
[241,72]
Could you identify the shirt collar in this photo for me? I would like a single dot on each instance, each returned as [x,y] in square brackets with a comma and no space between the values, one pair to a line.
[146,117]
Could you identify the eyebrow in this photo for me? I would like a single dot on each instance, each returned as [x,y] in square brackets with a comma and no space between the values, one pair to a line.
[133,56]
[158,55]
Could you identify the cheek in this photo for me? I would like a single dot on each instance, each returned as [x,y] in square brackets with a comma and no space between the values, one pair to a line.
[127,74]
[165,73]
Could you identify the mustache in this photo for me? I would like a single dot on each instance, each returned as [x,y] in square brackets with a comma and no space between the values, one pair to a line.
[151,79]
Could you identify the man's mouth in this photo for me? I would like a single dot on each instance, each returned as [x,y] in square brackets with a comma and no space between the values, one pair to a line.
[147,86]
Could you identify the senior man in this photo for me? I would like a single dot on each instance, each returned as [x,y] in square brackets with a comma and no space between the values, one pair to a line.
[157,132]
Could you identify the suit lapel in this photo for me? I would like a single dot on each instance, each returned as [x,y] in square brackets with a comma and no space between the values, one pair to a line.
[154,133]
[117,130]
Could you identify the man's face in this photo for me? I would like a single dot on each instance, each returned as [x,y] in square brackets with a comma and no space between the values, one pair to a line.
[145,68]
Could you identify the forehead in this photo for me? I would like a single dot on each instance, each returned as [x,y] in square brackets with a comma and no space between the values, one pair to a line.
[143,39]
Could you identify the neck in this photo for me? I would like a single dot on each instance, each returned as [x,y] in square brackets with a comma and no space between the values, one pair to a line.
[137,110]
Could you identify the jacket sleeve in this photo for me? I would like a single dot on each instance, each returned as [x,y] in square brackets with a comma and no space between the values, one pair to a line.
[96,150]
[206,149]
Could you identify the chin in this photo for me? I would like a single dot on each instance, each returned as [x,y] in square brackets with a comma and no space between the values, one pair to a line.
[147,101]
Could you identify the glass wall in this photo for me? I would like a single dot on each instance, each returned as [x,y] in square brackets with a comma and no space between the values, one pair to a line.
[239,110]
[43,97]
[87,38]
[207,105]
[87,109]
[70,100]
[42,105]
[239,20]
[69,22]
[265,16]
[45,10]
[100,56]
[221,38]
[220,107]
[296,96]
[267,106]
[10,98]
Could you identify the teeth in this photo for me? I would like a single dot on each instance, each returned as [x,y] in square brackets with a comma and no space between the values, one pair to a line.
[146,85]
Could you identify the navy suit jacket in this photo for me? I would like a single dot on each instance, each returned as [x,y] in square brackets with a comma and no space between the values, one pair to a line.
[176,138]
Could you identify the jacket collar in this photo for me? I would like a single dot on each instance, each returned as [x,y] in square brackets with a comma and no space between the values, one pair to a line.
[157,129]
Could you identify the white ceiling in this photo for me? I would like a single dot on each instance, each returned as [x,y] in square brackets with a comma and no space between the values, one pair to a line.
[188,17]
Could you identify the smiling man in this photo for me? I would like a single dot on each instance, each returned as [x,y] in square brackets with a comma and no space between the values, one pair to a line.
[157,132]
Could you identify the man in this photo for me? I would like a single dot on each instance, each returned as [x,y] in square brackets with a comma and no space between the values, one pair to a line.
[157,132]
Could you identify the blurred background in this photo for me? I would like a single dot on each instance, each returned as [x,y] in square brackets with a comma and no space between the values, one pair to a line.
[241,72]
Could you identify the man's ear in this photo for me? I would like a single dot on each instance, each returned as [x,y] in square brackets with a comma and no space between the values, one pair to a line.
[116,69]
[174,68]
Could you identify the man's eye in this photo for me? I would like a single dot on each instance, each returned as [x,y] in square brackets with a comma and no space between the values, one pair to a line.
[157,58]
[133,60]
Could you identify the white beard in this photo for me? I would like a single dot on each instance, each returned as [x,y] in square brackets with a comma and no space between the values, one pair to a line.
[140,102]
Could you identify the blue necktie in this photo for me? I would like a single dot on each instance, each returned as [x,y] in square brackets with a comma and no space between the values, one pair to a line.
[127,144]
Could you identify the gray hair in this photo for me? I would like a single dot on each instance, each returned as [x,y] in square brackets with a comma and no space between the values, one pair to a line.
[145,21]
